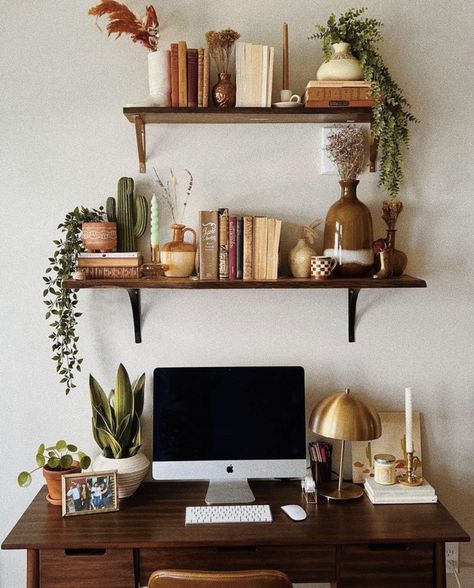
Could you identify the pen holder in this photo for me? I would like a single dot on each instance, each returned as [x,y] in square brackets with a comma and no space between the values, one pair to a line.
[321,472]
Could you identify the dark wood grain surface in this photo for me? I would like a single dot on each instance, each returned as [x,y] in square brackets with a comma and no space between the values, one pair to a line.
[152,114]
[154,518]
[195,284]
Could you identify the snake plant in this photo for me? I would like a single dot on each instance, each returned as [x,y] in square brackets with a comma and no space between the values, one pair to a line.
[116,418]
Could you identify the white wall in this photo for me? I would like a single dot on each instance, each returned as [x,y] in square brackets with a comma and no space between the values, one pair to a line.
[65,142]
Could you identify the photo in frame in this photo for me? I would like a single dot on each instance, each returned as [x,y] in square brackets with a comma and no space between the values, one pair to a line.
[89,493]
[391,441]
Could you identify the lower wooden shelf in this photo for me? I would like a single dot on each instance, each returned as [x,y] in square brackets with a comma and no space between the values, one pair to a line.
[353,285]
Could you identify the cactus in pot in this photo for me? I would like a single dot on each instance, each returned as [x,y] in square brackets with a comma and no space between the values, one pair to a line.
[129,212]
[117,430]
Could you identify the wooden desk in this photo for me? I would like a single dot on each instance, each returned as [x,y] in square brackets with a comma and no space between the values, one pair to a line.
[353,544]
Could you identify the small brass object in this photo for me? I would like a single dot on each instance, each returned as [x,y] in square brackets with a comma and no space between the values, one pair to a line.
[410,478]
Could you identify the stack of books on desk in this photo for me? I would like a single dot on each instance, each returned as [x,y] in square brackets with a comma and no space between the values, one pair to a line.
[398,494]
[330,94]
[110,266]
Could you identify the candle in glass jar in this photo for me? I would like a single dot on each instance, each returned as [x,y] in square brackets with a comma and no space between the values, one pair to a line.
[409,420]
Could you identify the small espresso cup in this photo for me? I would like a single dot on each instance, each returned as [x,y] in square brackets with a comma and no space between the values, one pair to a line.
[322,266]
[287,96]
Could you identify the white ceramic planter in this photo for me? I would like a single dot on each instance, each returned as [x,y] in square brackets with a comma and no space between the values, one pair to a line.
[342,65]
[131,471]
[159,77]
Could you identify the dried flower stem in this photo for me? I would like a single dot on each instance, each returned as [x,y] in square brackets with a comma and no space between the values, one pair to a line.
[169,195]
[346,148]
[220,45]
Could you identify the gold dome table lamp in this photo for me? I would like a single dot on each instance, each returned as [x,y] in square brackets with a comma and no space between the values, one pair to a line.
[344,416]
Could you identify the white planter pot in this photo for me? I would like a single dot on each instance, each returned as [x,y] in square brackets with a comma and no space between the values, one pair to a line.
[131,471]
[159,77]
[342,65]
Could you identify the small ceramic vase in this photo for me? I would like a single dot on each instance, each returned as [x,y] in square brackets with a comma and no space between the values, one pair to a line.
[99,237]
[179,255]
[223,93]
[299,259]
[342,65]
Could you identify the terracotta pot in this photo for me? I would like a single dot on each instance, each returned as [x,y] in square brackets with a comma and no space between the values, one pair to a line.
[348,234]
[131,471]
[342,65]
[223,93]
[53,481]
[179,255]
[99,237]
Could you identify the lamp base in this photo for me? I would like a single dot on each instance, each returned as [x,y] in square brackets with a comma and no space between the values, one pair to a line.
[348,491]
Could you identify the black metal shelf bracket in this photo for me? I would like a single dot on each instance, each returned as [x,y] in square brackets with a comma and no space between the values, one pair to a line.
[134,294]
[352,307]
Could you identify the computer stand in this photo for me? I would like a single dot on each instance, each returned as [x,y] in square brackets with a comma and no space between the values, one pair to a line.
[229,492]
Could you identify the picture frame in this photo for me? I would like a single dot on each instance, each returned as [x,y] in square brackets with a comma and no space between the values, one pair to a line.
[89,493]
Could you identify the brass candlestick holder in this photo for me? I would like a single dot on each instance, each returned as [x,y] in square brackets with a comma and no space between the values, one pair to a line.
[151,270]
[411,479]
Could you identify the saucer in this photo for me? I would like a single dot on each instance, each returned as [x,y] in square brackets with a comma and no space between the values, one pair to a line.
[291,104]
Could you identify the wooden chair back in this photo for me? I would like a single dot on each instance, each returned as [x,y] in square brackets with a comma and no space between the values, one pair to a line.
[201,579]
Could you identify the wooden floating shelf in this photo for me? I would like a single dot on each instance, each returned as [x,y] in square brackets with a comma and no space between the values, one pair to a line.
[353,285]
[140,116]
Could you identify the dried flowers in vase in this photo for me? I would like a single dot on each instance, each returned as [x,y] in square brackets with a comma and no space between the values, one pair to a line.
[346,148]
[122,21]
[220,45]
[178,255]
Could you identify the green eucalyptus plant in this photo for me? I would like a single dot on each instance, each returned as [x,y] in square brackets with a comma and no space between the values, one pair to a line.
[391,109]
[116,418]
[58,457]
[61,303]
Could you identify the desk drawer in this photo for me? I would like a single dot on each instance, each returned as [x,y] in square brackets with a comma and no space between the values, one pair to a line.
[387,566]
[87,568]
[302,563]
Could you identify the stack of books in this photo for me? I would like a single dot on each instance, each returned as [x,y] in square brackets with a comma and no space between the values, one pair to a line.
[189,76]
[238,248]
[254,74]
[398,494]
[330,94]
[110,266]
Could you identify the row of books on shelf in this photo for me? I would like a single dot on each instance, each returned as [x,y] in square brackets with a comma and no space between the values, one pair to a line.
[189,76]
[254,74]
[234,248]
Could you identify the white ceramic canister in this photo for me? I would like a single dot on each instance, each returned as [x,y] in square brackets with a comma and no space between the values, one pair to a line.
[159,77]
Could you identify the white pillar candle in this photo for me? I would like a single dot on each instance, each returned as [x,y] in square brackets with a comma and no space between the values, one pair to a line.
[409,420]
[159,77]
[154,222]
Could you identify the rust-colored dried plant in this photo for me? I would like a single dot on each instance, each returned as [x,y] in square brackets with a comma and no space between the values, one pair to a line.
[220,45]
[122,21]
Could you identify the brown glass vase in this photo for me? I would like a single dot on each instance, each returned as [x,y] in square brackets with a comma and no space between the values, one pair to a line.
[178,255]
[223,93]
[348,234]
[399,259]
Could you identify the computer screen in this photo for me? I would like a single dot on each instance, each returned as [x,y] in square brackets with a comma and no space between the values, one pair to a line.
[229,423]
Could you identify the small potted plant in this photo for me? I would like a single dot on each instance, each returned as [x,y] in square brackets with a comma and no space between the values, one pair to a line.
[117,430]
[56,461]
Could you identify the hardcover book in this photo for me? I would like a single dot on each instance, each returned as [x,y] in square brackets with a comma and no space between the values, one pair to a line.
[399,494]
[208,245]
[111,273]
[223,214]
[240,249]
[248,248]
[232,248]
[182,75]
[192,77]
[260,233]
[206,70]
[174,78]
[200,80]
[83,262]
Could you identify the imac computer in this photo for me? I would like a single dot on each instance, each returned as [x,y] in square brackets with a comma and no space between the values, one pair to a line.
[227,424]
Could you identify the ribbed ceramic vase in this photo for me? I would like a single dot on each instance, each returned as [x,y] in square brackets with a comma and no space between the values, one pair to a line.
[348,234]
[131,471]
[342,65]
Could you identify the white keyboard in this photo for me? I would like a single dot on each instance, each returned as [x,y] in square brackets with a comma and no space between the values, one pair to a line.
[232,513]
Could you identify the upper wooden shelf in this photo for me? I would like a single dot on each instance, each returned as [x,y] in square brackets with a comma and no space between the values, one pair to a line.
[140,116]
[196,284]
[353,286]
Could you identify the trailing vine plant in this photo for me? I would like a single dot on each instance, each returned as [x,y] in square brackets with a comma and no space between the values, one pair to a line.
[61,303]
[391,109]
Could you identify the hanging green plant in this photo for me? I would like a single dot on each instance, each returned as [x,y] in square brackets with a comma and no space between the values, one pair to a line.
[61,303]
[391,110]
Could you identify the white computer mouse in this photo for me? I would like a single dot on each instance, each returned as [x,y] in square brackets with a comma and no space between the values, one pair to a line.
[294,511]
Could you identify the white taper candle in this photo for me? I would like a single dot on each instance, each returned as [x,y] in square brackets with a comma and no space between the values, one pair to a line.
[409,420]
[154,222]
